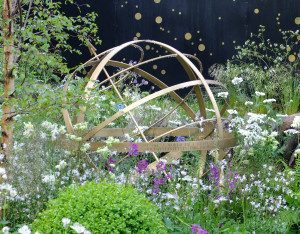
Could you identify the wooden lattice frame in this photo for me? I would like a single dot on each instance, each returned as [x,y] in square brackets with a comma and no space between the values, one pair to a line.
[208,139]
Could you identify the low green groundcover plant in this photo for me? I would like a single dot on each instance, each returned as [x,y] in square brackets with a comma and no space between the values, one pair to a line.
[100,208]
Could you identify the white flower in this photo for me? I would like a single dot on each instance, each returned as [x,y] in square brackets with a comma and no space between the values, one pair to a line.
[28,129]
[291,131]
[248,103]
[223,94]
[62,164]
[297,152]
[237,80]
[81,126]
[296,122]
[111,140]
[85,147]
[65,222]
[269,100]
[220,199]
[2,171]
[104,150]
[24,230]
[78,228]
[260,94]
[49,179]
[232,112]
[5,230]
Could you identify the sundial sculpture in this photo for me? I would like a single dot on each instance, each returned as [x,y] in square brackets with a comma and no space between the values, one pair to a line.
[210,135]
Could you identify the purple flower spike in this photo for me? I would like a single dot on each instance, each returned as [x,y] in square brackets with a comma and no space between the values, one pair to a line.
[215,174]
[109,162]
[133,150]
[180,139]
[197,229]
[233,181]
[155,190]
[158,182]
[142,166]
[161,166]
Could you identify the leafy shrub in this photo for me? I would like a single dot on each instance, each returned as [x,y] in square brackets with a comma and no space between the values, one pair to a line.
[101,208]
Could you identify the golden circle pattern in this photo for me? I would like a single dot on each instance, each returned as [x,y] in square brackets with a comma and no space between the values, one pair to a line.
[158,19]
[292,58]
[256,11]
[188,36]
[201,47]
[297,20]
[138,16]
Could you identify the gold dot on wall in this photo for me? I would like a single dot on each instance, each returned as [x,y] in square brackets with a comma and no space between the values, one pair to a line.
[297,20]
[158,19]
[163,72]
[188,36]
[138,16]
[292,58]
[154,67]
[201,47]
[298,37]
[157,1]
[147,47]
[288,49]
[256,11]
[138,34]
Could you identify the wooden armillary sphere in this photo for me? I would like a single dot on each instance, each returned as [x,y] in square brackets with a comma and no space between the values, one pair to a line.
[207,134]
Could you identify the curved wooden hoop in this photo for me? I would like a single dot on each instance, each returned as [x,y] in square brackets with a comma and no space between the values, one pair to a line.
[183,59]
[139,103]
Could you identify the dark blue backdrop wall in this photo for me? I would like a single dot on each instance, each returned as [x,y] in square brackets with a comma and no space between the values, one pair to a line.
[209,29]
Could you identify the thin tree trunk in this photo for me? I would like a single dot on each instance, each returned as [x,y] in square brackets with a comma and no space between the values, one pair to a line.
[8,78]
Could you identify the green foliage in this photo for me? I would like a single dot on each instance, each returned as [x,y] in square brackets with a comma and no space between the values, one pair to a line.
[43,34]
[266,67]
[101,208]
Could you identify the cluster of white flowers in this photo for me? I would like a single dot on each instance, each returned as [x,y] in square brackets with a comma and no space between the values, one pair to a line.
[270,191]
[232,112]
[25,230]
[73,137]
[9,191]
[77,227]
[54,129]
[296,122]
[252,130]
[28,129]
[223,94]
[49,179]
[81,126]
[3,173]
[61,165]
[237,80]
[269,100]
[248,103]
[260,94]
[111,140]
[85,147]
